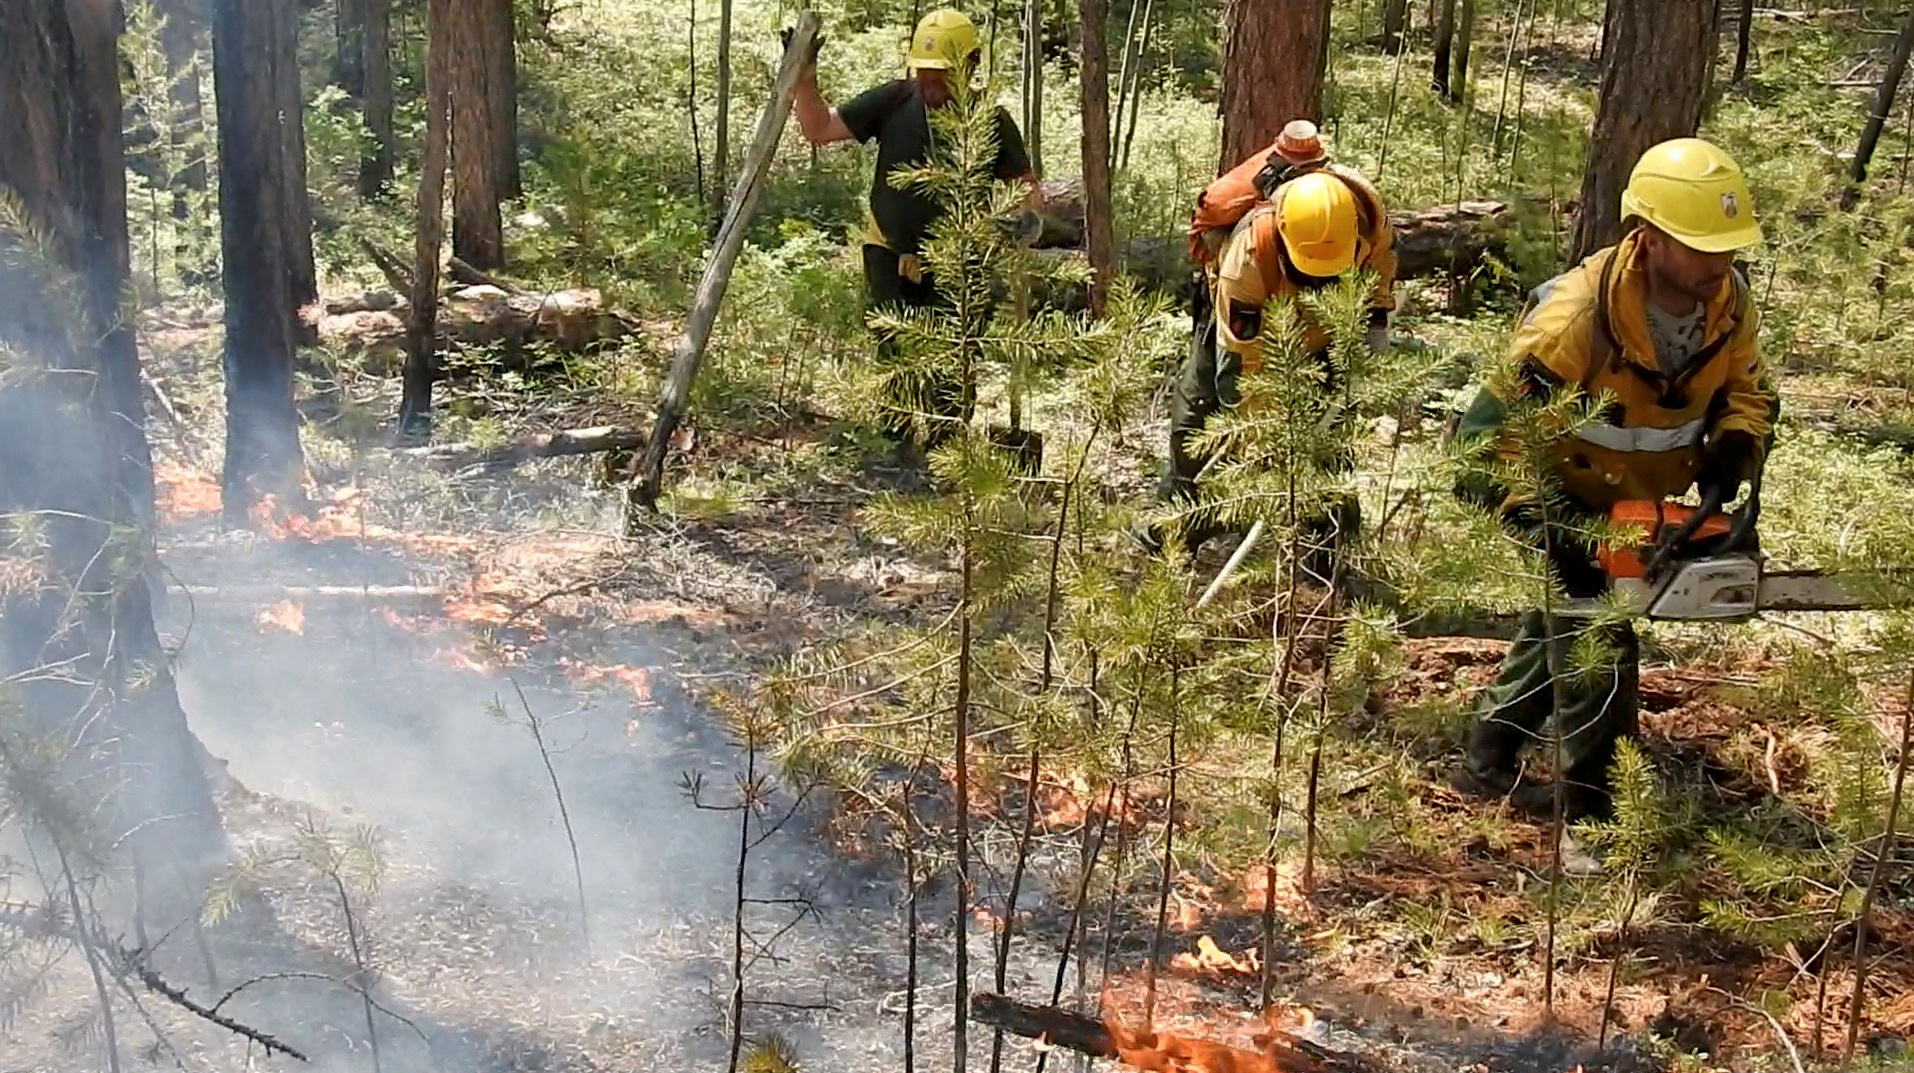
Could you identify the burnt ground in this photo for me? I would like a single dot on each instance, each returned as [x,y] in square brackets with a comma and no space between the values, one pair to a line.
[376,708]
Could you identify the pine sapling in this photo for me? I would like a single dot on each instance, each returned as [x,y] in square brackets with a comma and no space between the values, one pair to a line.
[536,726]
[1889,829]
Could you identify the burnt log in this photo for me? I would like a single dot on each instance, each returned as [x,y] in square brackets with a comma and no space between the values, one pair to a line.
[375,324]
[1281,1052]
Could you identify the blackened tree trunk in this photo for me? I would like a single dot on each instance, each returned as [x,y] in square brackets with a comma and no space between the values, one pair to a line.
[1884,96]
[296,205]
[1273,66]
[257,245]
[478,234]
[375,168]
[73,453]
[1444,20]
[1655,59]
[349,58]
[415,408]
[1099,237]
[501,78]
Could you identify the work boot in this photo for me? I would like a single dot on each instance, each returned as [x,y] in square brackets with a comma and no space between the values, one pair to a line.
[1475,780]
[1580,801]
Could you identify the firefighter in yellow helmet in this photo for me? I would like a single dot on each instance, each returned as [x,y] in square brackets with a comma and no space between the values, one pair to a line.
[1662,321]
[944,53]
[1317,225]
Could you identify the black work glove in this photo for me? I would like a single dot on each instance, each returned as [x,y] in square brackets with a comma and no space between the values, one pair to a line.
[817,44]
[1725,464]
[1570,557]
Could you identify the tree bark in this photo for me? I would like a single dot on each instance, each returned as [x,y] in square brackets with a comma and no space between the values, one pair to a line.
[688,351]
[1655,59]
[257,253]
[501,71]
[1033,84]
[478,233]
[349,33]
[73,450]
[1877,115]
[1464,45]
[296,205]
[721,150]
[181,39]
[1273,66]
[1744,28]
[1095,78]
[1443,17]
[375,168]
[421,337]
[1395,23]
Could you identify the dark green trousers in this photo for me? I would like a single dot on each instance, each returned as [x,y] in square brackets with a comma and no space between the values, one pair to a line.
[1599,705]
[913,392]
[1207,383]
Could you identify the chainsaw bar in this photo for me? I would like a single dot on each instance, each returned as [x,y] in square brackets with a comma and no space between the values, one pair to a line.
[1812,590]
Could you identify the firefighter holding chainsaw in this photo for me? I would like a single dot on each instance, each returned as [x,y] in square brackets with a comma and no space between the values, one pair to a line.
[1284,222]
[1661,323]
[944,54]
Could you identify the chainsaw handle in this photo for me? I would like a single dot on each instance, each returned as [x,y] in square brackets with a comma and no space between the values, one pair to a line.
[1710,506]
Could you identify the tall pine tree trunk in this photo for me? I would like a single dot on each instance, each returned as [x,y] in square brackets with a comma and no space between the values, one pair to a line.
[478,233]
[721,151]
[1464,45]
[1744,27]
[181,39]
[1395,23]
[375,168]
[1273,67]
[1884,95]
[1443,17]
[296,206]
[415,407]
[501,67]
[1099,237]
[258,254]
[1655,59]
[1033,83]
[349,33]
[73,450]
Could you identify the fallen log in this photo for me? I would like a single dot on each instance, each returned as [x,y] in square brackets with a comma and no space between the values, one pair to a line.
[573,441]
[479,315]
[1429,242]
[1161,1052]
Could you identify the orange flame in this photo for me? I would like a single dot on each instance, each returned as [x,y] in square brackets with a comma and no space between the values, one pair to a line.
[1214,959]
[285,615]
[1167,1052]
[181,492]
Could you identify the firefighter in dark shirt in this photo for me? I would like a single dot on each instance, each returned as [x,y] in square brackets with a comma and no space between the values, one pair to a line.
[943,54]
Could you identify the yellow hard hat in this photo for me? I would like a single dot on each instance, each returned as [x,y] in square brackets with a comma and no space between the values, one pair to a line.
[944,41]
[1695,193]
[1316,217]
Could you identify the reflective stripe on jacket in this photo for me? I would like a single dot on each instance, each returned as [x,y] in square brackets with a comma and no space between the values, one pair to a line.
[1589,327]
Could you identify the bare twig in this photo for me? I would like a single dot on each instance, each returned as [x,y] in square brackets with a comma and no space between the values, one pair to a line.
[536,726]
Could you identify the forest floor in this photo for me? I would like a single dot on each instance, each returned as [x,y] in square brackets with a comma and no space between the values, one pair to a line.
[339,708]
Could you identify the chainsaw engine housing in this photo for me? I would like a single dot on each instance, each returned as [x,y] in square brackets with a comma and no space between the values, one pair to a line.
[1713,588]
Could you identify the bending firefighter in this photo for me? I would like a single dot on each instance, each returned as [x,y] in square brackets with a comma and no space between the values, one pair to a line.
[896,115]
[1662,322]
[1281,223]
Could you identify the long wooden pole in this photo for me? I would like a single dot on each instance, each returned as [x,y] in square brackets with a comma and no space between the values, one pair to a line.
[745,193]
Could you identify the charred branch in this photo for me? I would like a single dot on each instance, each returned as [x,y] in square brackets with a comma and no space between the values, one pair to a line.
[1281,1052]
[575,441]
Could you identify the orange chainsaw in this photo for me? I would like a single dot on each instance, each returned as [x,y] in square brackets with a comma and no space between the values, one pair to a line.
[1699,564]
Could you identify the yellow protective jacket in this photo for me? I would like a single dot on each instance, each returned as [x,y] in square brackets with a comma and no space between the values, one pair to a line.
[1249,272]
[1589,327]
